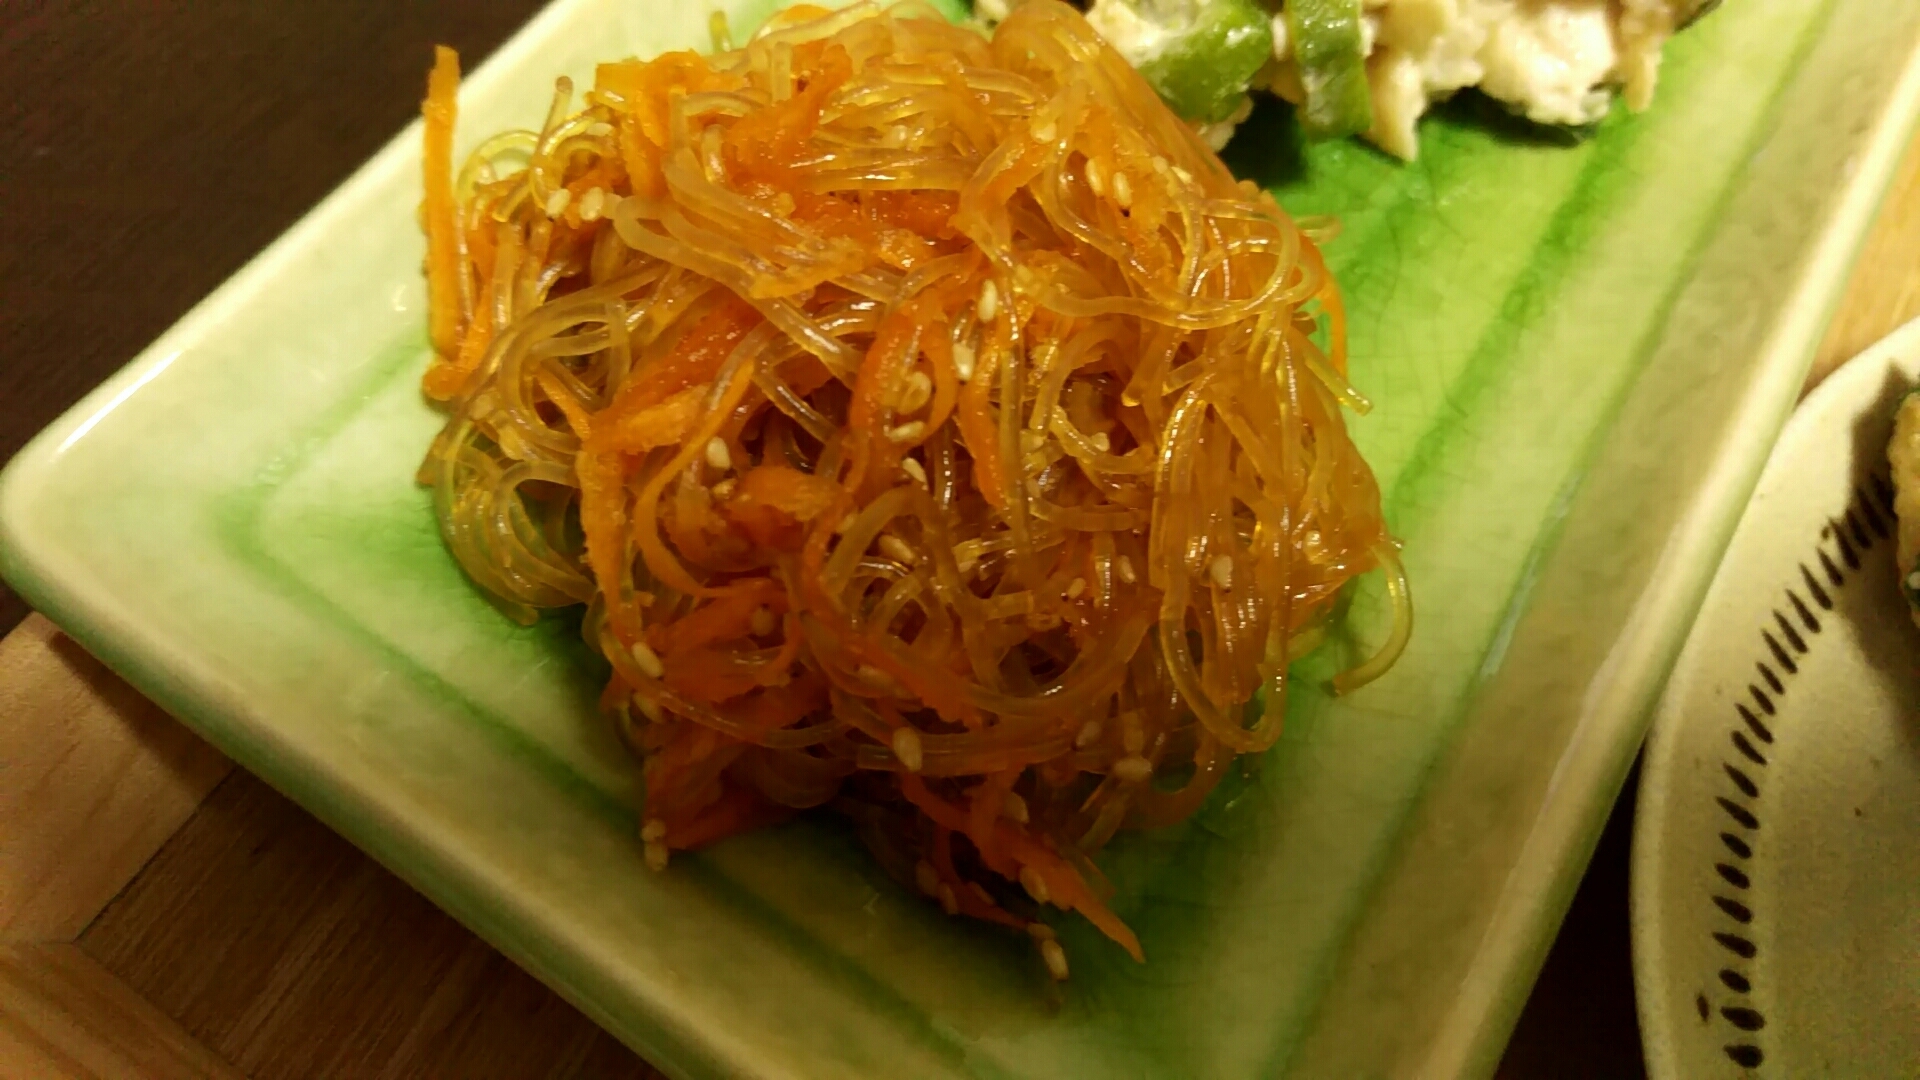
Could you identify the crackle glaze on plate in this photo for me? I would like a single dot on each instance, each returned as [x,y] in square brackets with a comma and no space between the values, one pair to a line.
[1776,849]
[1579,352]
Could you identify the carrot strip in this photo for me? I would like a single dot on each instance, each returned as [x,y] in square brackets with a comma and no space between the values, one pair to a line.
[964,898]
[1065,886]
[728,618]
[577,417]
[603,517]
[737,810]
[981,431]
[443,242]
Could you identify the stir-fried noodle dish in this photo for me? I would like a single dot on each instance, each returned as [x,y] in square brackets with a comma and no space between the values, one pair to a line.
[933,428]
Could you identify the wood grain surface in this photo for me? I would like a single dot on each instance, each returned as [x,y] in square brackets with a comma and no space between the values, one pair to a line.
[147,150]
[289,953]
[1884,291]
[97,778]
[64,1017]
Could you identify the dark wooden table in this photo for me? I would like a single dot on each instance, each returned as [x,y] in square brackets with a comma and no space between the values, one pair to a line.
[149,148]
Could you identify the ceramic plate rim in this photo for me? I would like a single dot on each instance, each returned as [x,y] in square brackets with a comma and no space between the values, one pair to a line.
[1665,777]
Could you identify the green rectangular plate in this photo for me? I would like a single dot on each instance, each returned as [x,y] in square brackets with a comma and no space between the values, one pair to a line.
[1580,354]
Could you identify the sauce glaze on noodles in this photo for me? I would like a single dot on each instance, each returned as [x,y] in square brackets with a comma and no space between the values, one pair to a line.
[931,424]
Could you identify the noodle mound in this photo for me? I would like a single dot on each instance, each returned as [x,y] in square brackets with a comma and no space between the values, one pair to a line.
[931,424]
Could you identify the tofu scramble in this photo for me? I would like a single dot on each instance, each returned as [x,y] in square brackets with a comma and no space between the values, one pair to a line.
[1374,67]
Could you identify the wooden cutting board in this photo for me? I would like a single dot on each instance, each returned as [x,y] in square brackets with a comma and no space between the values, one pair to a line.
[165,915]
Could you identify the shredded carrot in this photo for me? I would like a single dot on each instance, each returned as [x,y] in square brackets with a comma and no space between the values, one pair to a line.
[578,418]
[443,243]
[728,618]
[738,810]
[888,354]
[964,899]
[603,521]
[662,423]
[976,423]
[1064,883]
[773,503]
[694,359]
[764,145]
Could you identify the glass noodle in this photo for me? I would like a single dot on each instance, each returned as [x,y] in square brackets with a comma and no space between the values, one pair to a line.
[932,426]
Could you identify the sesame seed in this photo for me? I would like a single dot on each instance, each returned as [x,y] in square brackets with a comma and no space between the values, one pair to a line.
[925,878]
[1089,732]
[1040,931]
[648,660]
[989,302]
[761,621]
[919,391]
[1913,580]
[648,708]
[1122,190]
[724,489]
[1096,178]
[511,444]
[911,431]
[1031,441]
[1076,587]
[1035,885]
[600,129]
[656,855]
[557,202]
[949,903]
[1016,807]
[1133,769]
[876,678]
[1221,571]
[1056,958]
[592,203]
[906,747]
[914,470]
[1185,176]
[981,892]
[1100,442]
[967,562]
[897,549]
[718,455]
[963,360]
[653,831]
[1125,567]
[1044,131]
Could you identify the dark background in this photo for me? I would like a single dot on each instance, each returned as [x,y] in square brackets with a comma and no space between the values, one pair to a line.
[150,147]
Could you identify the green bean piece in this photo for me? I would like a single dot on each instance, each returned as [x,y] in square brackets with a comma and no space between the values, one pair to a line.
[1327,45]
[1204,72]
